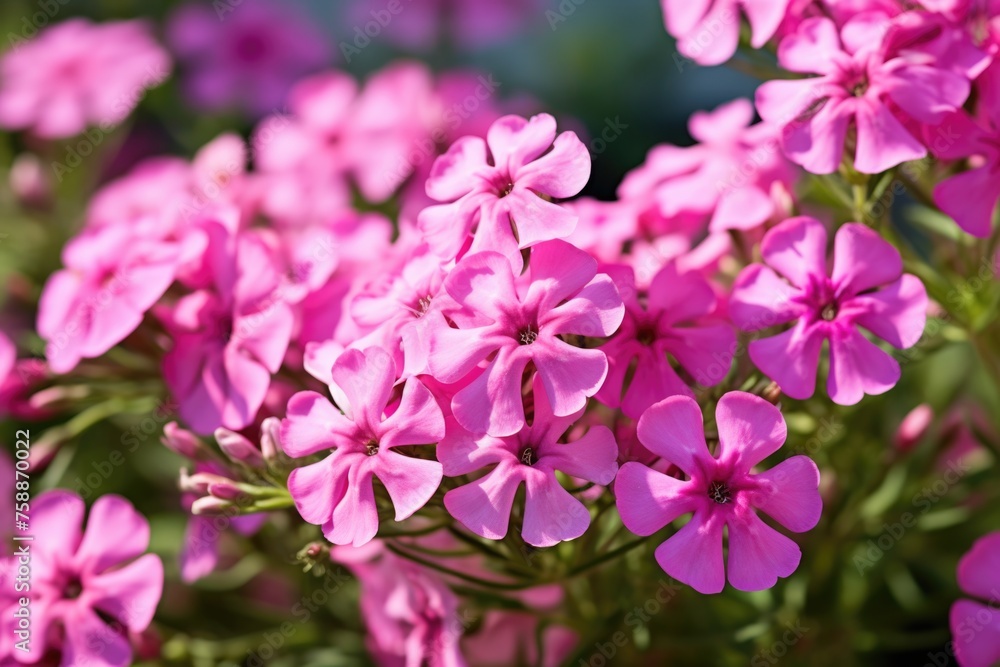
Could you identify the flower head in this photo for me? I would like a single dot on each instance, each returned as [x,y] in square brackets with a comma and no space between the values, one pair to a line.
[721,491]
[338,493]
[530,457]
[78,73]
[975,626]
[509,322]
[88,588]
[859,84]
[499,189]
[867,289]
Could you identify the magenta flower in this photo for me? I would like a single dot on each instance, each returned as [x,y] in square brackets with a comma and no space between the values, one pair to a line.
[113,275]
[497,188]
[726,178]
[860,86]
[78,73]
[8,357]
[866,289]
[975,626]
[244,56]
[721,492]
[229,337]
[708,31]
[337,493]
[510,322]
[88,588]
[970,196]
[551,513]
[670,319]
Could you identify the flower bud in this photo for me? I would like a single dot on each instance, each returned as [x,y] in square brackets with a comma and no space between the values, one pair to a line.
[238,448]
[270,444]
[181,441]
[210,506]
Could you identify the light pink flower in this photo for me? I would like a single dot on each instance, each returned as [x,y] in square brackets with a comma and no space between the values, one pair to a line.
[508,322]
[495,188]
[244,56]
[975,626]
[602,228]
[727,178]
[230,336]
[858,85]
[113,275]
[722,492]
[531,457]
[337,493]
[668,319]
[88,588]
[867,289]
[78,73]
[8,357]
[708,31]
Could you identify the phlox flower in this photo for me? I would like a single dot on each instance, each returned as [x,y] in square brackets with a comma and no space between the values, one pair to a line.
[244,56]
[867,289]
[77,73]
[670,318]
[89,589]
[497,188]
[859,85]
[229,336]
[509,322]
[530,457]
[112,276]
[975,626]
[720,491]
[970,196]
[726,178]
[708,31]
[337,493]
[8,357]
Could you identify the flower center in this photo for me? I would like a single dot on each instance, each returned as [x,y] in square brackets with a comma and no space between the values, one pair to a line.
[719,492]
[646,335]
[505,190]
[527,335]
[829,312]
[371,447]
[73,589]
[423,305]
[528,456]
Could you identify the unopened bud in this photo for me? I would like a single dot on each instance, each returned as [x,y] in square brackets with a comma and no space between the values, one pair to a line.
[270,443]
[181,441]
[238,448]
[210,506]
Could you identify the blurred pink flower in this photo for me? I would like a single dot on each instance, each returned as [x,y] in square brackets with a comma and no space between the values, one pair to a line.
[244,55]
[867,288]
[230,336]
[975,624]
[721,492]
[508,322]
[531,457]
[8,357]
[708,31]
[499,189]
[338,493]
[88,589]
[77,73]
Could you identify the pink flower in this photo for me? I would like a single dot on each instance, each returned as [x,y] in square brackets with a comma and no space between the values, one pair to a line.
[975,626]
[708,31]
[531,457]
[495,188]
[78,73]
[337,493]
[88,589]
[230,336]
[668,319]
[112,277]
[8,357]
[300,157]
[721,492]
[867,289]
[859,85]
[970,196]
[509,322]
[727,178]
[244,56]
